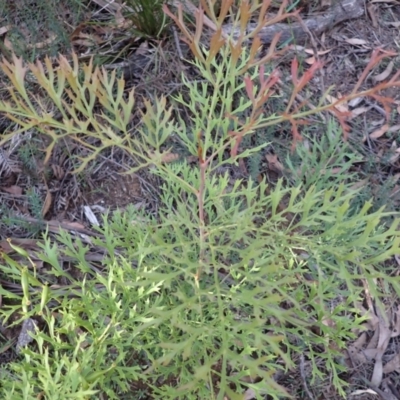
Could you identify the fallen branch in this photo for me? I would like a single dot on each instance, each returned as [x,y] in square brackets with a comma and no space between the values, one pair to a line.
[341,11]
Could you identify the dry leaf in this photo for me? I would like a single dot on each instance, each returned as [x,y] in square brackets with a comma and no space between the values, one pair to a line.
[395,156]
[90,216]
[5,29]
[340,107]
[320,53]
[121,21]
[395,191]
[360,184]
[8,45]
[392,365]
[384,336]
[379,132]
[356,42]
[14,190]
[27,244]
[394,128]
[372,13]
[358,111]
[373,343]
[358,392]
[274,164]
[355,102]
[377,375]
[249,394]
[58,172]
[68,225]
[383,75]
[24,337]
[47,203]
[355,351]
[310,61]
[377,123]
[143,49]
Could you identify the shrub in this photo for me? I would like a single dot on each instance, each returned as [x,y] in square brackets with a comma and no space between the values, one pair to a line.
[228,284]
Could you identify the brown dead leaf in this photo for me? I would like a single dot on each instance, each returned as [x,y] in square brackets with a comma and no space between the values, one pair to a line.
[8,45]
[80,38]
[58,172]
[385,74]
[121,21]
[392,365]
[360,184]
[143,49]
[274,164]
[358,111]
[5,29]
[356,41]
[340,107]
[356,352]
[396,154]
[379,132]
[355,102]
[47,203]
[361,341]
[372,13]
[395,191]
[249,394]
[377,122]
[310,60]
[14,190]
[68,225]
[394,128]
[360,392]
[26,244]
[45,43]
[377,375]
[385,333]
[320,53]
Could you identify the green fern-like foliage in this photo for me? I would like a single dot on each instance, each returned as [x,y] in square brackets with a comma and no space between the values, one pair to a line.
[220,291]
[245,315]
[323,159]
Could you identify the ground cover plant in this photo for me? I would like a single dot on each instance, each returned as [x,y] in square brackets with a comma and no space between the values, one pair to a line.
[234,281]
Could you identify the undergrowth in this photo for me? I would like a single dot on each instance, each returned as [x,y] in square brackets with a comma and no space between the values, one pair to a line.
[147,16]
[39,27]
[231,281]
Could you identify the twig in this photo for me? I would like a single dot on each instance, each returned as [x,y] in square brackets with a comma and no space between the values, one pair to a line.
[315,50]
[303,377]
[177,43]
